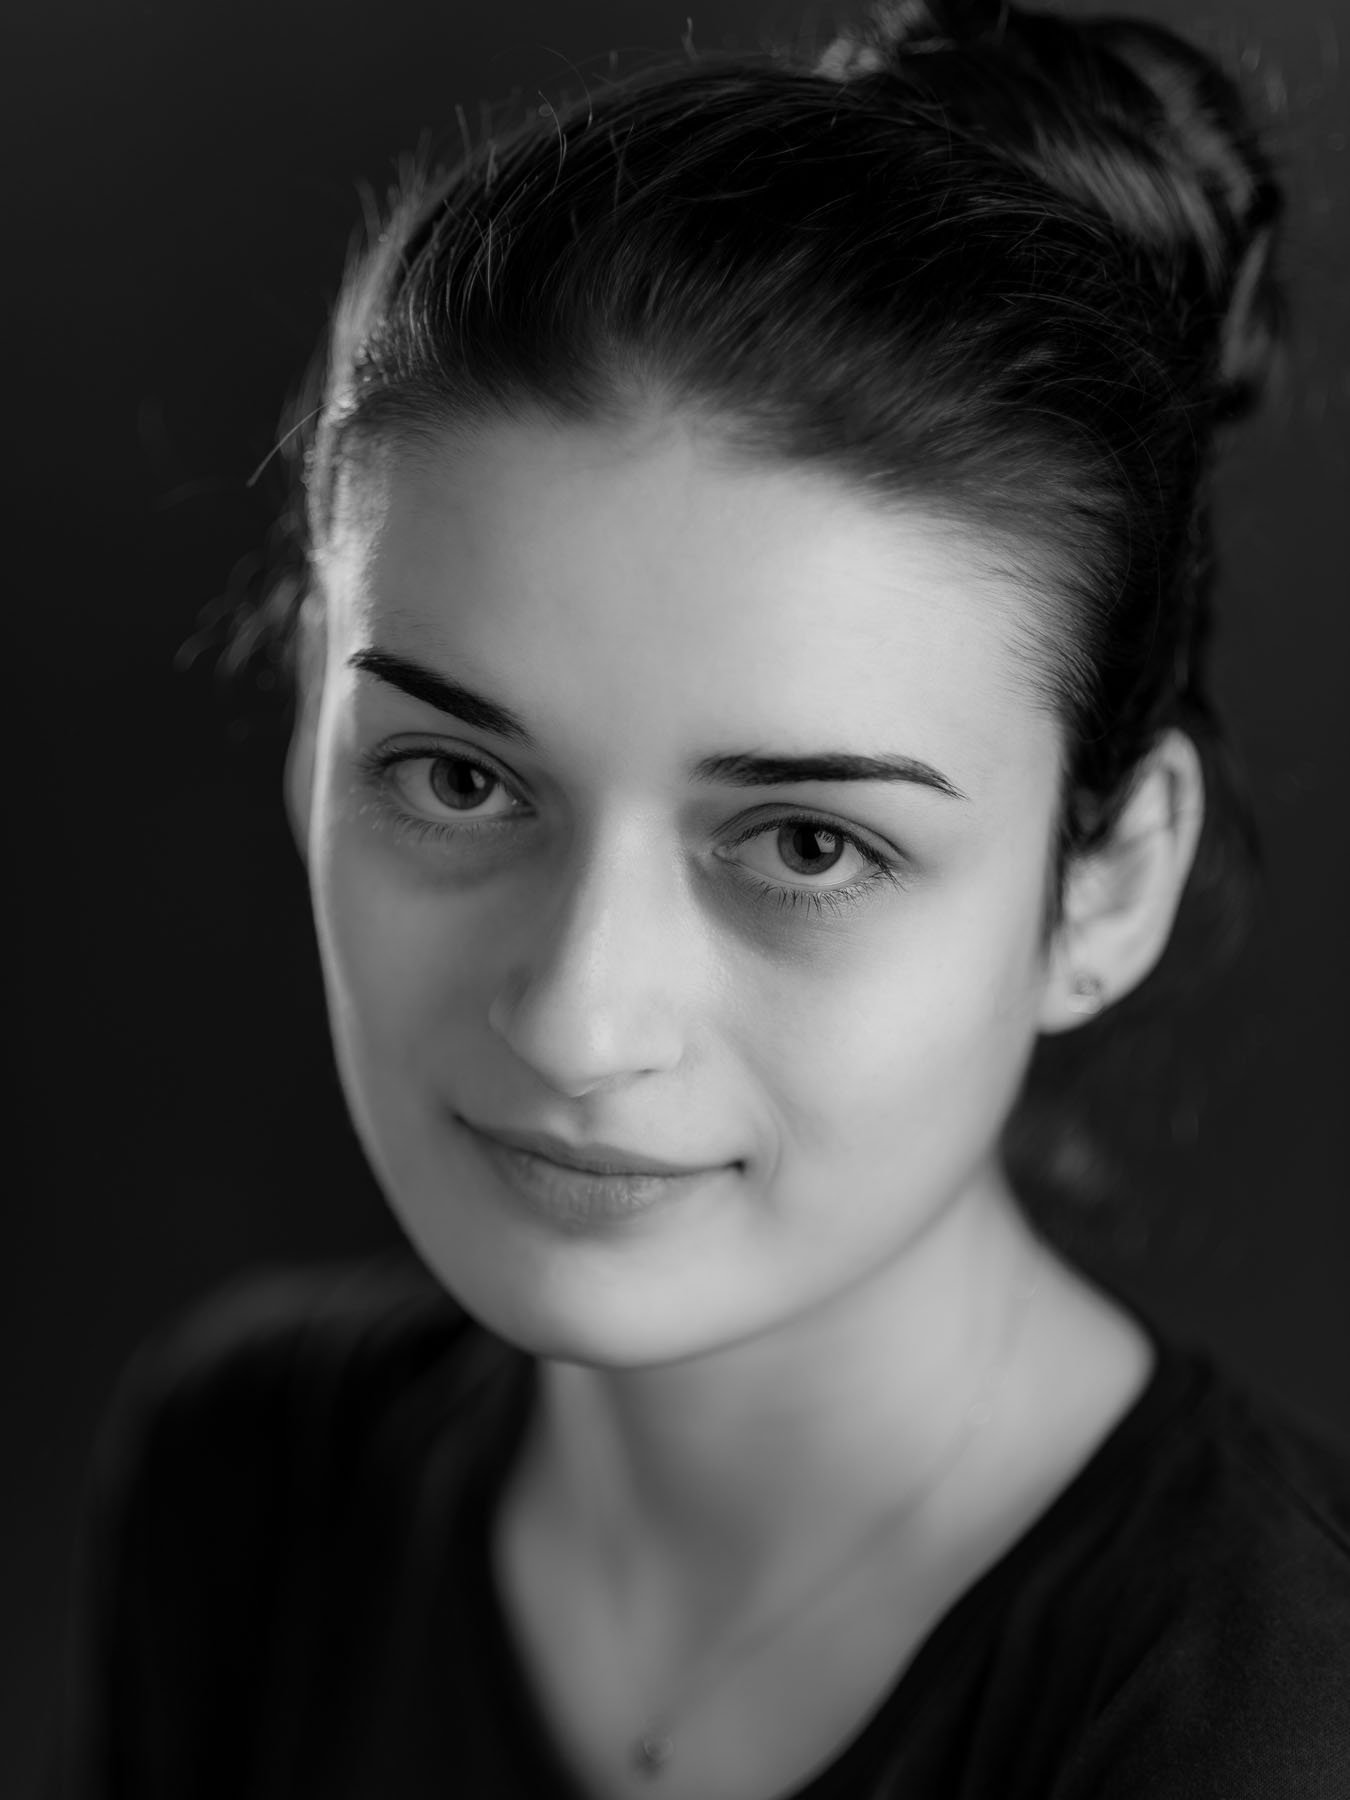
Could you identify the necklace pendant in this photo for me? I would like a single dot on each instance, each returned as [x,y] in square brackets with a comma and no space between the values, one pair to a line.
[652,1751]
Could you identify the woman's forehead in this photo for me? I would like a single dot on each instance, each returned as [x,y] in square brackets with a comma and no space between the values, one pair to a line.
[650,576]
[651,500]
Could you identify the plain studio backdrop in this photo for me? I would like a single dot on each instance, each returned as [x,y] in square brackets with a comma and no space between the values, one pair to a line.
[185,180]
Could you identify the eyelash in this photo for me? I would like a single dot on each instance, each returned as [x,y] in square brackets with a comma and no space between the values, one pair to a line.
[377,765]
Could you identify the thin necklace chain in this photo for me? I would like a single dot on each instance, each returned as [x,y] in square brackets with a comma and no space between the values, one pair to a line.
[654,1745]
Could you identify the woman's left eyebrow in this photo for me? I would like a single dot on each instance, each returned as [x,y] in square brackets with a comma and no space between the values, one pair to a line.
[743,770]
[739,769]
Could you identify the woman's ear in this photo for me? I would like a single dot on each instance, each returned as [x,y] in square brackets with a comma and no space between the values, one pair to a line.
[1120,900]
[310,651]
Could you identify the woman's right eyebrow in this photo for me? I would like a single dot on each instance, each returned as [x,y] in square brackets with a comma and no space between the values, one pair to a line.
[734,769]
[447,696]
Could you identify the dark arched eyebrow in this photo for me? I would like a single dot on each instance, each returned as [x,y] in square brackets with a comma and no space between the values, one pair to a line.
[744,769]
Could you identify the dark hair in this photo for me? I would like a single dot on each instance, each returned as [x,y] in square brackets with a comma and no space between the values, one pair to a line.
[1015,265]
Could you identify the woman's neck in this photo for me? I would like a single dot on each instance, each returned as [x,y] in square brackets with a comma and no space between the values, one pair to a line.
[775,1453]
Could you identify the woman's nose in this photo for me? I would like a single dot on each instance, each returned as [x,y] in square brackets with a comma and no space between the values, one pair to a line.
[595,997]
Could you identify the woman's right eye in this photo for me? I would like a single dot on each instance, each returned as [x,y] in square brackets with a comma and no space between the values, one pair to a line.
[451,781]
[437,788]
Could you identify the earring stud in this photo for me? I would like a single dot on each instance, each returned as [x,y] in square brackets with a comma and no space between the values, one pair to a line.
[1087,995]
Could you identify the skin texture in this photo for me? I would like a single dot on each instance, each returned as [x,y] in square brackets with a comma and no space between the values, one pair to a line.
[600,964]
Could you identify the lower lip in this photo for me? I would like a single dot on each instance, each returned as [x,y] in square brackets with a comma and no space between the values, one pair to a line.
[577,1197]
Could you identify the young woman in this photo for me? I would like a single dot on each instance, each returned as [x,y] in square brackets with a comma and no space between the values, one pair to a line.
[750,693]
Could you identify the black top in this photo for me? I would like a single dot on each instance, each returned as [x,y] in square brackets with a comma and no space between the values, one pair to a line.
[284,1589]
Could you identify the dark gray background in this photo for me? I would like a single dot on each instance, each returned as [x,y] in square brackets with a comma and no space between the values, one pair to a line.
[182,186]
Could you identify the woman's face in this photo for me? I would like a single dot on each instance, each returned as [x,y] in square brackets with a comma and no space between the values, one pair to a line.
[631,914]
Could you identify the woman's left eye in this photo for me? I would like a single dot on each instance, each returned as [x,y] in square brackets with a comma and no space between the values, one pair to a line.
[789,855]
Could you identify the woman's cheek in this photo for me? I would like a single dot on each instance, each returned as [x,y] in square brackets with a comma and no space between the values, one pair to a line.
[946,1025]
[385,947]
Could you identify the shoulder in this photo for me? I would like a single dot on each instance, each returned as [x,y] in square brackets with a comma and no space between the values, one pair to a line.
[246,1513]
[1271,1548]
[1293,1479]
[1225,1600]
[348,1320]
[1254,1502]
[281,1381]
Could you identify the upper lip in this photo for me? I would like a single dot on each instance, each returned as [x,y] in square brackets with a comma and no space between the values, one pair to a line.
[595,1159]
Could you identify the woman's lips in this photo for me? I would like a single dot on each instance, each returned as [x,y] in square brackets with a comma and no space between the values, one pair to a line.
[592,1158]
[585,1196]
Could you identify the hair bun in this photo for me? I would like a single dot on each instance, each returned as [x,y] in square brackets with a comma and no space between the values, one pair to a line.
[1124,117]
[896,28]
